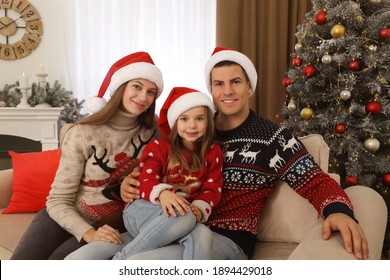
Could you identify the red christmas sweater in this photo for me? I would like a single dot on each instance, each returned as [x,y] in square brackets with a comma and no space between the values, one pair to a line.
[203,188]
[257,154]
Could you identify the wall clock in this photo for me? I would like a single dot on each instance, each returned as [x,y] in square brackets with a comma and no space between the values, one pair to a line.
[20,29]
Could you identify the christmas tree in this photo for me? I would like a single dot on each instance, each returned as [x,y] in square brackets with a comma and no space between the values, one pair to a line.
[338,86]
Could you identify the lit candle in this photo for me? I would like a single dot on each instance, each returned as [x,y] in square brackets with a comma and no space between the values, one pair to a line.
[23,81]
[41,69]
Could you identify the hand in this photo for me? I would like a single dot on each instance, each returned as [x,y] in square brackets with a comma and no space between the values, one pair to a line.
[198,214]
[354,239]
[170,200]
[104,233]
[129,192]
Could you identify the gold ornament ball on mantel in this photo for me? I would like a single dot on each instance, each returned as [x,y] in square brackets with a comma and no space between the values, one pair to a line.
[307,113]
[337,31]
[372,144]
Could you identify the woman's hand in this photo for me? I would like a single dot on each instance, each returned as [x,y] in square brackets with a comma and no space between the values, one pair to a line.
[104,233]
[171,201]
[129,192]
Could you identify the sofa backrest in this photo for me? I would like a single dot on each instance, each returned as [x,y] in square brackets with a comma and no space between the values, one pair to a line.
[287,216]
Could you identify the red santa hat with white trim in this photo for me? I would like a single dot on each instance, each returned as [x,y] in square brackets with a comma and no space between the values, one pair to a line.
[226,54]
[179,100]
[137,65]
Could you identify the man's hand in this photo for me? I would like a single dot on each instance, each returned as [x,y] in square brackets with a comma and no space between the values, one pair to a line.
[104,233]
[354,239]
[171,201]
[129,192]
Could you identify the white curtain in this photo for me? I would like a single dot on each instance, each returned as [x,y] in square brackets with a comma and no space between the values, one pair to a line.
[178,34]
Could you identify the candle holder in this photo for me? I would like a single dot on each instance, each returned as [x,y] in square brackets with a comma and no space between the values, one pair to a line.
[23,100]
[42,88]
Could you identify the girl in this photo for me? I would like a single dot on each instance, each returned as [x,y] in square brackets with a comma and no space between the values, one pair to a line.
[97,152]
[181,175]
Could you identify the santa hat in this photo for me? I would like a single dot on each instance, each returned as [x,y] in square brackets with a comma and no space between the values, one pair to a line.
[226,54]
[137,65]
[179,100]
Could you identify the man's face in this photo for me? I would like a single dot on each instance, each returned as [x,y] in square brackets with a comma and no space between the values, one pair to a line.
[231,91]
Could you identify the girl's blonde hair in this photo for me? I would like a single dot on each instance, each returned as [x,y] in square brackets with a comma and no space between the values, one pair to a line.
[203,145]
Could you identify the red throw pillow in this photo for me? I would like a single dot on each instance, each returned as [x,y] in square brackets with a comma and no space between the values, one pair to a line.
[33,174]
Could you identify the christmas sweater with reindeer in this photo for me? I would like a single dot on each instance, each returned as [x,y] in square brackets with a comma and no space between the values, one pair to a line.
[94,157]
[257,154]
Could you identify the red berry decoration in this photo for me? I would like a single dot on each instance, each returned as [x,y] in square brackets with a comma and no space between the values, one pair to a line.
[340,128]
[287,81]
[351,181]
[309,71]
[321,17]
[374,108]
[384,33]
[297,61]
[386,179]
[354,65]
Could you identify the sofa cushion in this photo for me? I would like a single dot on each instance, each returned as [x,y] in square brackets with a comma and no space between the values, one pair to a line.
[33,174]
[287,216]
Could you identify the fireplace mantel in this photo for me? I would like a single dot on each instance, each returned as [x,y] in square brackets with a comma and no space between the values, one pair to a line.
[38,124]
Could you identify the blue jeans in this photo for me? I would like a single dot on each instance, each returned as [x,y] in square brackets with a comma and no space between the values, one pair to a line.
[151,229]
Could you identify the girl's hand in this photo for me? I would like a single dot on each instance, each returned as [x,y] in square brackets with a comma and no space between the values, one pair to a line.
[171,201]
[104,233]
[129,192]
[198,214]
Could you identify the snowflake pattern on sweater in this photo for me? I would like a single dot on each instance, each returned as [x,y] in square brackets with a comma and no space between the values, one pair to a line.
[257,154]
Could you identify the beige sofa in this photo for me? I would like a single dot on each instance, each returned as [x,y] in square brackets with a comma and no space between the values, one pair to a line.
[290,227]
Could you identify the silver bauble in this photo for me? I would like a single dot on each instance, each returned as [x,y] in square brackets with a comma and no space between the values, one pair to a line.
[345,94]
[372,48]
[326,59]
[372,144]
[375,1]
[298,46]
[388,92]
[291,106]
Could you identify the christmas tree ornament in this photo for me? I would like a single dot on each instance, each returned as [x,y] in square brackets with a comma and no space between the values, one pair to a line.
[337,31]
[326,59]
[345,94]
[388,92]
[297,61]
[298,46]
[291,106]
[354,65]
[287,81]
[351,180]
[386,179]
[373,107]
[309,71]
[307,113]
[372,144]
[384,33]
[372,48]
[340,128]
[321,18]
[375,1]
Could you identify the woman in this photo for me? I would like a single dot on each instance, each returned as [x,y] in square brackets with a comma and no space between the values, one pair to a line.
[97,153]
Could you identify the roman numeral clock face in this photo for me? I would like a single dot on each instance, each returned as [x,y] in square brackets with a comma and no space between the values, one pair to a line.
[20,29]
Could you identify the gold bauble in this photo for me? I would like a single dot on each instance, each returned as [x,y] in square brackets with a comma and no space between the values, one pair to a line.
[307,113]
[337,31]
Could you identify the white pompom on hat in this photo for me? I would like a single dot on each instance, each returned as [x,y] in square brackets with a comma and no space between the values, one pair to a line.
[179,100]
[137,65]
[226,54]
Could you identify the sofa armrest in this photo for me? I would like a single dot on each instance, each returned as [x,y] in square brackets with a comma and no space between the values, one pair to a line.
[5,187]
[371,212]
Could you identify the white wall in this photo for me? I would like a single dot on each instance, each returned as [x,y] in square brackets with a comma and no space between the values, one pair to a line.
[49,53]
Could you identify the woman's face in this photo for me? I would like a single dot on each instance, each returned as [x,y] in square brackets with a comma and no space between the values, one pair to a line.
[139,95]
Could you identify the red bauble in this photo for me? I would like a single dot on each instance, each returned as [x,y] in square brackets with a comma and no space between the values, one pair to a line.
[374,108]
[321,17]
[354,65]
[340,128]
[386,179]
[287,81]
[384,33]
[309,71]
[297,61]
[351,180]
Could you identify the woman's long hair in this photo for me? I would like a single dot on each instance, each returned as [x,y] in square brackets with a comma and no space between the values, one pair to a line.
[203,145]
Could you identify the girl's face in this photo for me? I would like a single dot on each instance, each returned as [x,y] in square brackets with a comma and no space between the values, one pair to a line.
[139,95]
[191,125]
